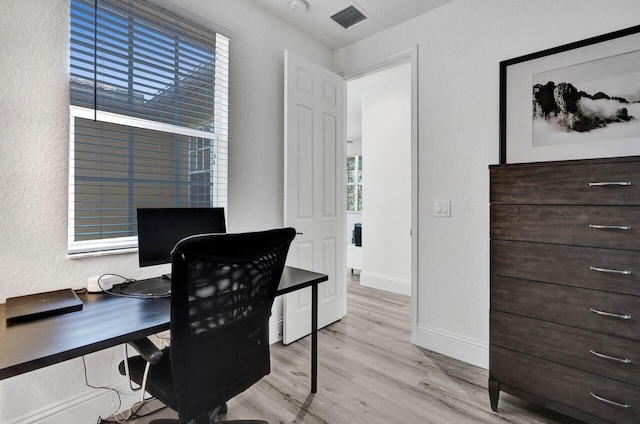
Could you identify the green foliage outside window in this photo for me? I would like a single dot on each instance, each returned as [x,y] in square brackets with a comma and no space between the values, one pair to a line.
[354,183]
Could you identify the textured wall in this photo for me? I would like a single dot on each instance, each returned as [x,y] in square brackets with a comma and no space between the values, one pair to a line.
[386,181]
[34,149]
[460,47]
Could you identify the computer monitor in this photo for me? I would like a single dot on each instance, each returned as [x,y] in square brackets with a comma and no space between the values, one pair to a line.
[160,229]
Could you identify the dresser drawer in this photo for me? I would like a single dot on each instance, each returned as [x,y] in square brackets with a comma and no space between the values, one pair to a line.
[572,225]
[609,356]
[601,269]
[567,184]
[566,385]
[568,305]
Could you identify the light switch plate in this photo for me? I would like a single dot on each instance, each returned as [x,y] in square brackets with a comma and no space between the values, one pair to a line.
[442,208]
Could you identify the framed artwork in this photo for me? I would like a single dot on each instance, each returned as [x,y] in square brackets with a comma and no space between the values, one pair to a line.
[576,101]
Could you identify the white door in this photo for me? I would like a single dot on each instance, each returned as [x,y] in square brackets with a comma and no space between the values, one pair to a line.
[314,190]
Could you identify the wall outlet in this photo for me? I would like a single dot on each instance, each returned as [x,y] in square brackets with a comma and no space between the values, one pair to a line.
[442,208]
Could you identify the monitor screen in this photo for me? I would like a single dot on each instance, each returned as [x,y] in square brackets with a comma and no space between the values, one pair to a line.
[160,229]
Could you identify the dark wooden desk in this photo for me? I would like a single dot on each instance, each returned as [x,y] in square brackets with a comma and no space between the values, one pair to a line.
[106,321]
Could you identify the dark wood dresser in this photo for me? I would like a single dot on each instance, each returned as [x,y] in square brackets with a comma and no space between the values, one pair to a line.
[565,287]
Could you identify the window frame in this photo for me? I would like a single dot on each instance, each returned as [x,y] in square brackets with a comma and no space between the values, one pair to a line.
[117,243]
[218,149]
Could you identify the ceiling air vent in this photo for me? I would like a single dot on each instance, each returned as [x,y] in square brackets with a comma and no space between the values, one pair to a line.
[348,16]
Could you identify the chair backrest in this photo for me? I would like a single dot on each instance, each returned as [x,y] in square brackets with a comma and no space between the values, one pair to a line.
[222,290]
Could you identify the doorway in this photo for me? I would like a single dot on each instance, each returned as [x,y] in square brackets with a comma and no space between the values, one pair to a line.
[302,80]
[379,216]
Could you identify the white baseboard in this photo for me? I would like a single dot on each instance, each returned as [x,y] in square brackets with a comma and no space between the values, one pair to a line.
[383,282]
[463,348]
[84,408]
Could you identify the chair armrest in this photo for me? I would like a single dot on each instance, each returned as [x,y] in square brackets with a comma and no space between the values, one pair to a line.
[147,350]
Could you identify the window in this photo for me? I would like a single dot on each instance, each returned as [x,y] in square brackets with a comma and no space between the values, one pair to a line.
[354,183]
[201,165]
[148,118]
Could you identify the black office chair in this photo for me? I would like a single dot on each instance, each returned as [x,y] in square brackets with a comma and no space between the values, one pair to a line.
[222,290]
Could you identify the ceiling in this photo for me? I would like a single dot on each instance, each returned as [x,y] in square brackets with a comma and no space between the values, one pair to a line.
[316,21]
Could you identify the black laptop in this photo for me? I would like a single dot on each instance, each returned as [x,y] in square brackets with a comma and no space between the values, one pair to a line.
[39,305]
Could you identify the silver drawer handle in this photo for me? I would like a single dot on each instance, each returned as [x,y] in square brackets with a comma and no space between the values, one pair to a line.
[610,227]
[610,271]
[610,183]
[610,402]
[609,314]
[611,358]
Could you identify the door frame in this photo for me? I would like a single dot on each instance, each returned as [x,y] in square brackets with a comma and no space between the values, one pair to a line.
[407,56]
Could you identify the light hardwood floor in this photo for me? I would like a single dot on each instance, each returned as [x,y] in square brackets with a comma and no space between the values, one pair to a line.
[370,373]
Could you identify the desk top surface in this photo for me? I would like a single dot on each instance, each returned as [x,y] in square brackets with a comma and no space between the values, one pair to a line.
[104,321]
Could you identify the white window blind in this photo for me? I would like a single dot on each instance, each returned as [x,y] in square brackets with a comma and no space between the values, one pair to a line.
[148,118]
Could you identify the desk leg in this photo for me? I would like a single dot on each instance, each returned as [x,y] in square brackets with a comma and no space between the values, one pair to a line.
[314,338]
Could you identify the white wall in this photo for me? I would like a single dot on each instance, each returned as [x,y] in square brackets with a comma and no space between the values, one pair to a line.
[460,47]
[33,159]
[354,148]
[386,183]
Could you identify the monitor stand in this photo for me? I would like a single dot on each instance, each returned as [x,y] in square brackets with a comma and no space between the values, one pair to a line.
[149,287]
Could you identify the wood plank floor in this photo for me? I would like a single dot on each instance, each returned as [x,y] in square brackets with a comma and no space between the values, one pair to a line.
[370,373]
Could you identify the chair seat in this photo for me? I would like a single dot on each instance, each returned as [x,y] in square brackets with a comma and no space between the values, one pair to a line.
[159,380]
[159,383]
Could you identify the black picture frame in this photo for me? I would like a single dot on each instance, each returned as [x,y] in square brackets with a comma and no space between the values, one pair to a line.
[506,65]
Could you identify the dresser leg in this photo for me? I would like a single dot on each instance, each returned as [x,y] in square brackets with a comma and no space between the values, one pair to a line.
[494,394]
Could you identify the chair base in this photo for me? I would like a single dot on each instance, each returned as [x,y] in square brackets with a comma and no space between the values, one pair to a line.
[209,418]
[175,421]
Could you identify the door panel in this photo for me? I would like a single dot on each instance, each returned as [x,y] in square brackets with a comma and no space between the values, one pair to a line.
[314,189]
